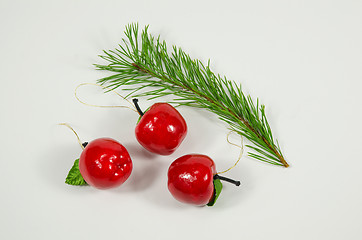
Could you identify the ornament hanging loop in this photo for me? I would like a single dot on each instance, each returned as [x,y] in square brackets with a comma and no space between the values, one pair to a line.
[236,145]
[82,145]
[102,106]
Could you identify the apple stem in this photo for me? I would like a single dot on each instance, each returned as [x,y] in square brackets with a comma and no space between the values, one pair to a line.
[135,101]
[236,183]
[84,144]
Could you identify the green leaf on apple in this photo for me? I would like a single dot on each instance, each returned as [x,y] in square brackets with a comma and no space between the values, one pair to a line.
[139,119]
[217,191]
[74,177]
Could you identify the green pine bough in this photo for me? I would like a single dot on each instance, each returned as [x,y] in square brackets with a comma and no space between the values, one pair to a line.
[144,66]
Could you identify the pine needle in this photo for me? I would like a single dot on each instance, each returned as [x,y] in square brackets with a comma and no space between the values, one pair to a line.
[144,66]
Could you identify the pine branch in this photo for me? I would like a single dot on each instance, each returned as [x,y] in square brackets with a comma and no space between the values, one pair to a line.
[144,66]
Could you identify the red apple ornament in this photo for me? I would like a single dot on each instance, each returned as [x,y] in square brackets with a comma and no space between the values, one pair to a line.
[161,129]
[105,163]
[192,179]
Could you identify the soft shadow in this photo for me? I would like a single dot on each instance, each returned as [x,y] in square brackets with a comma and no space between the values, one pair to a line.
[232,195]
[138,153]
[158,193]
[146,168]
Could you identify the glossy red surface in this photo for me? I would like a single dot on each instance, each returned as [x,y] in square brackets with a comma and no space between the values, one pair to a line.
[105,163]
[190,179]
[161,129]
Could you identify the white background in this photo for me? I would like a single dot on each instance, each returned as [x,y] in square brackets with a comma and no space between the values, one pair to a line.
[302,59]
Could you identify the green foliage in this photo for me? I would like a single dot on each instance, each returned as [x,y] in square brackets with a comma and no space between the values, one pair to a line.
[217,191]
[144,66]
[74,177]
